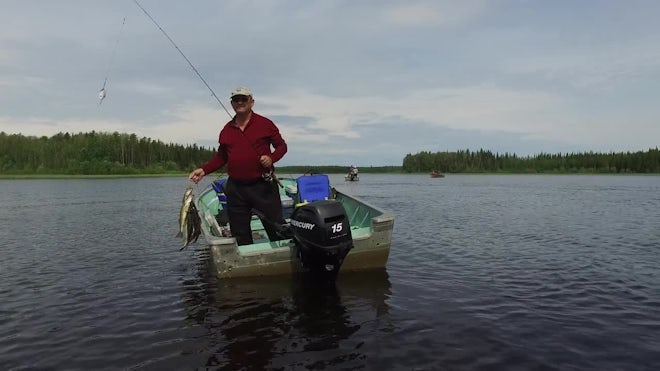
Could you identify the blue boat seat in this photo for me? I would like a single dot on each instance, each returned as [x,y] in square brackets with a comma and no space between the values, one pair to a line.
[312,188]
[219,188]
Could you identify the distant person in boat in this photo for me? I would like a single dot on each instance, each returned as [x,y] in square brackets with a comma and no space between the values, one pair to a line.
[245,147]
[353,172]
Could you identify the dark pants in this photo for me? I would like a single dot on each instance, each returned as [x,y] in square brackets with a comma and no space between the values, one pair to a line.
[264,198]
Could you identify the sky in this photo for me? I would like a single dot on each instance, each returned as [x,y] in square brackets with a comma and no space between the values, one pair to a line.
[347,82]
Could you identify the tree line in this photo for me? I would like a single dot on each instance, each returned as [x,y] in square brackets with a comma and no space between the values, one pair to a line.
[486,161]
[96,153]
[100,153]
[119,153]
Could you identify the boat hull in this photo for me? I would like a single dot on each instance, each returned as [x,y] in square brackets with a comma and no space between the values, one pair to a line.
[371,230]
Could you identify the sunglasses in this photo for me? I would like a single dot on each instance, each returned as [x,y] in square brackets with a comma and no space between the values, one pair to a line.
[240,99]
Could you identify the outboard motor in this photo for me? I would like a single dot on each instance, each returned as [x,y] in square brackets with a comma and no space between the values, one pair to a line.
[322,235]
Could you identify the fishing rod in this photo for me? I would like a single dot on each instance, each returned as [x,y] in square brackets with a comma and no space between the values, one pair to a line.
[184,56]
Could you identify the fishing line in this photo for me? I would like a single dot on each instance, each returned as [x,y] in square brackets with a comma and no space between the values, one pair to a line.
[112,58]
[184,56]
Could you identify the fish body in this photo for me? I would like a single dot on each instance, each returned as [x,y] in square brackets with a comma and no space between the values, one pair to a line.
[185,209]
[196,223]
[187,193]
[101,95]
[187,198]
[190,224]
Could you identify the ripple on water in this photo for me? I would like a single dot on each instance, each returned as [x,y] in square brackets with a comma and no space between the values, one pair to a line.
[485,272]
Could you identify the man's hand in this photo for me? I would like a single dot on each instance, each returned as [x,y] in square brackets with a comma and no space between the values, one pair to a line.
[196,175]
[266,161]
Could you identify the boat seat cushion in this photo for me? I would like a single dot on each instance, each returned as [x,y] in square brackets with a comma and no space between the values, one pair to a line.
[313,188]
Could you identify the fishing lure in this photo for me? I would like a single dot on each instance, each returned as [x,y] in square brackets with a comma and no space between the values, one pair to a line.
[103,92]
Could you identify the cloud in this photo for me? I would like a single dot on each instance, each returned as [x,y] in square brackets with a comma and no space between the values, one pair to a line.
[595,68]
[468,108]
[373,79]
[432,13]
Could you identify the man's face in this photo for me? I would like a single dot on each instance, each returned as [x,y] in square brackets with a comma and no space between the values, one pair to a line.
[242,103]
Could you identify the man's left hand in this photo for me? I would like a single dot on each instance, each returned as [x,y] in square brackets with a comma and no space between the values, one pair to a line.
[266,161]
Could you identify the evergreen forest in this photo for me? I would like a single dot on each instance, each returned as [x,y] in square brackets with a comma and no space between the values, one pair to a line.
[99,153]
[483,161]
[96,153]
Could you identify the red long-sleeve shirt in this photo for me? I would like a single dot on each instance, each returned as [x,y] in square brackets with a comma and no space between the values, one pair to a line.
[241,150]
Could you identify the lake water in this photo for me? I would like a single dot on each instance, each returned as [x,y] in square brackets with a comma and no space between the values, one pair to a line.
[486,272]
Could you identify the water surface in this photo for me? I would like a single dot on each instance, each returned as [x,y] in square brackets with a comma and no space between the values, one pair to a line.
[486,272]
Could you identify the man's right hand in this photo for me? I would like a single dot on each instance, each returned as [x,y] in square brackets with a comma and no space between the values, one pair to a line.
[196,175]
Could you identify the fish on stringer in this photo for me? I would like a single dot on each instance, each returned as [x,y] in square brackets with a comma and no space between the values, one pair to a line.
[190,224]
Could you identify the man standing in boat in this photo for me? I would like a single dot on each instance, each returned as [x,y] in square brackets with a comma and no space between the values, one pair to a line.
[245,147]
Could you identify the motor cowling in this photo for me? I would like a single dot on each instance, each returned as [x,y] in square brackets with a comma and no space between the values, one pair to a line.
[322,234]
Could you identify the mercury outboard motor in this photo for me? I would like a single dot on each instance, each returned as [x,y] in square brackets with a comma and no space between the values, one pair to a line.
[322,235]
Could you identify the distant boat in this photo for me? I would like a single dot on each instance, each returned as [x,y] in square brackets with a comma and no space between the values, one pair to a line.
[351,177]
[435,174]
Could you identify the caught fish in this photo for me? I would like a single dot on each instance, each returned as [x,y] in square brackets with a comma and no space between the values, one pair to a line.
[186,194]
[194,224]
[190,224]
[183,213]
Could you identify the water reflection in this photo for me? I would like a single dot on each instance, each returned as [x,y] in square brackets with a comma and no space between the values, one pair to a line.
[276,322]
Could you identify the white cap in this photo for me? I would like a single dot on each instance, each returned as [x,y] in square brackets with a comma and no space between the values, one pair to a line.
[241,91]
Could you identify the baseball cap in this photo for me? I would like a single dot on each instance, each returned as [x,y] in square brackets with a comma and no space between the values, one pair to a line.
[241,91]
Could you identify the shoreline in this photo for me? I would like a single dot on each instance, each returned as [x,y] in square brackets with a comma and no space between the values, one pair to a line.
[185,175]
[89,176]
